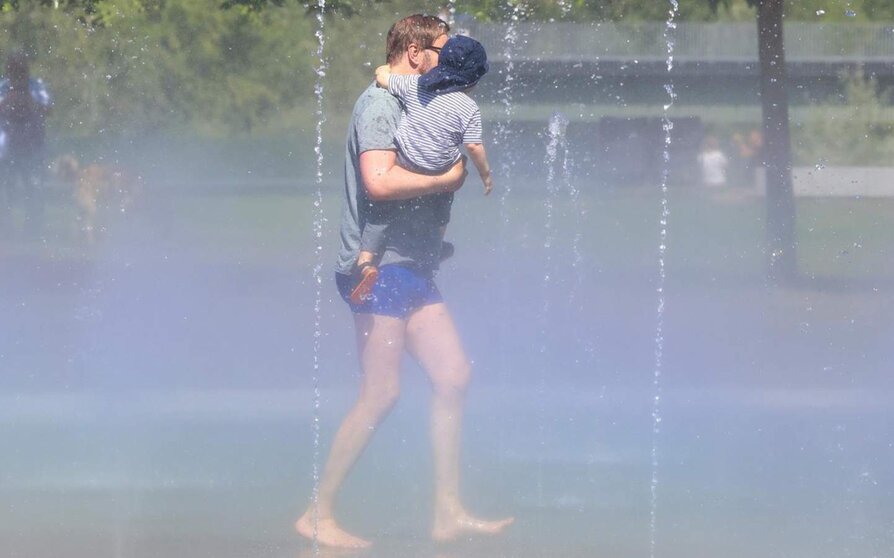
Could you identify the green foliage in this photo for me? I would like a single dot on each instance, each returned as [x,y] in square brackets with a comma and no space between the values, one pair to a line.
[344,8]
[715,4]
[580,10]
[861,134]
[130,66]
[227,66]
[249,5]
[816,10]
[86,5]
[689,10]
[341,8]
[827,11]
[879,9]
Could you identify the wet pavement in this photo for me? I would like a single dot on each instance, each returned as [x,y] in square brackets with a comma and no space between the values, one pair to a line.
[156,395]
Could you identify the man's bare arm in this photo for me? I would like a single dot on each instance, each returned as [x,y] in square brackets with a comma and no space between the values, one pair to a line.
[385,180]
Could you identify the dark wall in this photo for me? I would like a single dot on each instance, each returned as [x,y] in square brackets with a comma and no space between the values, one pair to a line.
[626,82]
[609,153]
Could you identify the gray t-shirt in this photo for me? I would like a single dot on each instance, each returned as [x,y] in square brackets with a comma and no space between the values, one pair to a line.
[414,237]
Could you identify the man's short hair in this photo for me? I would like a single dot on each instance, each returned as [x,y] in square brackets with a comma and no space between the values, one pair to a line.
[420,29]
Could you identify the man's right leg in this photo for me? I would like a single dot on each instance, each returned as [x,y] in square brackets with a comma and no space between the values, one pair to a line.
[434,342]
[380,344]
[8,177]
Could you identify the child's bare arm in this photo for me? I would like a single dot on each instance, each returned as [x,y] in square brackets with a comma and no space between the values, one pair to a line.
[382,75]
[479,156]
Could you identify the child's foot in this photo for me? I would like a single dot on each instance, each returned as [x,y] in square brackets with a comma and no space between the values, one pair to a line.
[368,275]
[446,250]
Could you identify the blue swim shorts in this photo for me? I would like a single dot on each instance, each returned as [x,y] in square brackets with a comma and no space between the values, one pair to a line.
[398,291]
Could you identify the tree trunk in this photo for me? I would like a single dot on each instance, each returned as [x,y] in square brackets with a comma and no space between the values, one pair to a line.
[782,257]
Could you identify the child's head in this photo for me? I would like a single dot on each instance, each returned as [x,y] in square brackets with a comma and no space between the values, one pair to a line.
[461,63]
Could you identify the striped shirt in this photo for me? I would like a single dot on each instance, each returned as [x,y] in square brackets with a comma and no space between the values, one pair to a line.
[434,125]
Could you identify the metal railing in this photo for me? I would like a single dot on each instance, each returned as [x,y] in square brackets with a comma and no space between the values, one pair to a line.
[573,42]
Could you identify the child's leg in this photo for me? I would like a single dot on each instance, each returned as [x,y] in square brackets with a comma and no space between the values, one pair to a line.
[368,275]
[443,202]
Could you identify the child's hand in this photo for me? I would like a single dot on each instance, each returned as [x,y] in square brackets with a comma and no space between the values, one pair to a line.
[382,74]
[488,184]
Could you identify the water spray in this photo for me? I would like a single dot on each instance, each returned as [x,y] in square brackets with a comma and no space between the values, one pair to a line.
[667,125]
[319,220]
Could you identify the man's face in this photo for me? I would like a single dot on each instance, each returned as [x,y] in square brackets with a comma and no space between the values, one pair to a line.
[430,55]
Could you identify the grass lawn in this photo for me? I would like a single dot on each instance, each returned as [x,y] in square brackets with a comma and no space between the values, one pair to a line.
[708,234]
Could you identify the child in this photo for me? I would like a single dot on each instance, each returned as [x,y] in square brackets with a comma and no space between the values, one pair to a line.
[713,163]
[438,118]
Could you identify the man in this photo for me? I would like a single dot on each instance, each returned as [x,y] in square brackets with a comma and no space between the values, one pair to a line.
[24,105]
[405,311]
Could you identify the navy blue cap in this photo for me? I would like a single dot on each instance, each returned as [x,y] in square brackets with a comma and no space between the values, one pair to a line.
[461,64]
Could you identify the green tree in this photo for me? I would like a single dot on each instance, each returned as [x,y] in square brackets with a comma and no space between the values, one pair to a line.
[853,133]
[132,66]
[580,10]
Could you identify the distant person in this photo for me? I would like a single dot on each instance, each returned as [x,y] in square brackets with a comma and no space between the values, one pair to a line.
[438,118]
[24,106]
[405,314]
[751,154]
[713,163]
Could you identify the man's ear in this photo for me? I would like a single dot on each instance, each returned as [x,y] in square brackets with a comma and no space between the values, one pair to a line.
[415,54]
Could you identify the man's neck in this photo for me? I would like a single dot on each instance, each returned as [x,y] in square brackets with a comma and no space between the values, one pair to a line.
[403,67]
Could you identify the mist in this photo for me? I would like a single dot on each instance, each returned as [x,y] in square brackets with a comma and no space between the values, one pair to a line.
[642,384]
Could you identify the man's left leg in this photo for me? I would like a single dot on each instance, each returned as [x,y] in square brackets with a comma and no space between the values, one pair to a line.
[432,339]
[6,198]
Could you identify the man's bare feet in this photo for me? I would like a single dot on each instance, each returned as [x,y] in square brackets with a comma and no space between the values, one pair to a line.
[328,533]
[452,527]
